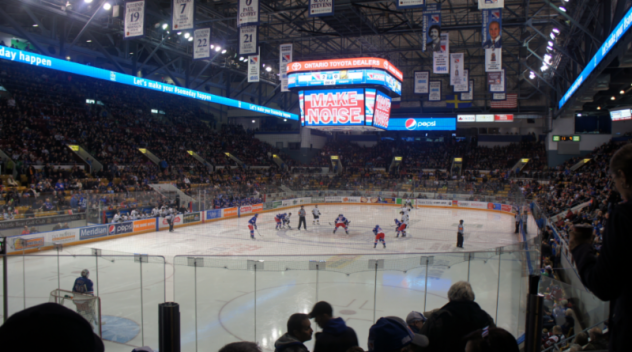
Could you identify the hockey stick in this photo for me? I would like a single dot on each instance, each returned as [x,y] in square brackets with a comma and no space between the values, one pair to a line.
[258,233]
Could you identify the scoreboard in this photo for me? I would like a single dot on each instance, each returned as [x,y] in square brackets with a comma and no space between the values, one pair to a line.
[557,138]
[345,94]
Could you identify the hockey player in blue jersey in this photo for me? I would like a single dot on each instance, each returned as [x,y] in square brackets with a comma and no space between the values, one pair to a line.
[279,220]
[379,236]
[252,226]
[341,221]
[85,307]
[82,284]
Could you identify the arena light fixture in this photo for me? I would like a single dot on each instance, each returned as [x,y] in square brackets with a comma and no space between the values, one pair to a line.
[549,48]
[89,41]
[556,31]
[165,26]
[36,25]
[218,48]
[284,120]
[212,46]
[532,75]
[253,121]
[622,92]
[224,51]
[599,108]
[613,97]
[187,35]
[190,39]
[562,8]
[268,69]
[67,57]
[552,35]
[550,43]
[107,6]
[88,1]
[241,58]
[179,33]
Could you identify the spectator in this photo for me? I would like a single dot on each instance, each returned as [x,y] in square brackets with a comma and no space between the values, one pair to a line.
[581,340]
[299,330]
[26,230]
[446,328]
[336,335]
[57,227]
[601,275]
[391,334]
[415,321]
[552,337]
[597,341]
[569,323]
[491,340]
[240,347]
[66,330]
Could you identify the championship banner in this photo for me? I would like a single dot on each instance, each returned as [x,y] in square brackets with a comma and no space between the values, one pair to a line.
[409,4]
[182,14]
[496,81]
[253,68]
[321,8]
[202,46]
[435,91]
[464,85]
[491,35]
[248,13]
[285,53]
[490,4]
[134,19]
[456,69]
[431,28]
[441,59]
[249,40]
[469,96]
[421,82]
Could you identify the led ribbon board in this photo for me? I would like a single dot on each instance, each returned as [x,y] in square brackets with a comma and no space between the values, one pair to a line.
[94,72]
[613,38]
[344,64]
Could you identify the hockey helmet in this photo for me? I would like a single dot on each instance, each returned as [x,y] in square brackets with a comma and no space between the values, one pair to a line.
[290,213]
[340,215]
[85,273]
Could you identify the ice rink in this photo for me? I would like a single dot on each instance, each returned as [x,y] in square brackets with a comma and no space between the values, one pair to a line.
[224,299]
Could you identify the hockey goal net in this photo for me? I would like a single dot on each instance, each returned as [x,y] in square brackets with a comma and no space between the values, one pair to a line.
[87,306]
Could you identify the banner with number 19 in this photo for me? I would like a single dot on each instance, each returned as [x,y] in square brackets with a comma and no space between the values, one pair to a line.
[134,19]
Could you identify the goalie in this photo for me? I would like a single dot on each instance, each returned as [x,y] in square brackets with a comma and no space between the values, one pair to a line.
[85,306]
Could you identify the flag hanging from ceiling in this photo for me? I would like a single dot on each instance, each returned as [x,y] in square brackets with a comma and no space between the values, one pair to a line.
[510,103]
[453,102]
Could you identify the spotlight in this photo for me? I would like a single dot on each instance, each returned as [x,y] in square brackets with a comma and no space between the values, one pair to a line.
[550,48]
[187,35]
[556,31]
[253,121]
[190,39]
[264,65]
[89,41]
[179,33]
[599,108]
[212,46]
[67,57]
[550,43]
[218,48]
[562,8]
[165,26]
[612,98]
[622,92]
[284,120]
[241,58]
[107,6]
[36,25]
[579,115]
[224,51]
[88,1]
[532,75]
[268,69]
[552,35]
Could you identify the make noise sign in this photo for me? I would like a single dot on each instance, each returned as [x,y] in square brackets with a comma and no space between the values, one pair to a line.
[183,14]
[248,40]
[134,19]
[321,8]
[248,13]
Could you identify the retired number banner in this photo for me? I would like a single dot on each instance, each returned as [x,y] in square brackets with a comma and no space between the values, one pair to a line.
[134,19]
[431,28]
[253,69]
[248,13]
[201,43]
[409,4]
[421,82]
[183,14]
[321,8]
[285,57]
[248,40]
[441,58]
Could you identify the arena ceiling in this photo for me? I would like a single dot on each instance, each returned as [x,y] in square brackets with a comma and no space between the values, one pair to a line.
[358,28]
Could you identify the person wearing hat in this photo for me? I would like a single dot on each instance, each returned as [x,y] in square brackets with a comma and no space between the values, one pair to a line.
[460,316]
[391,334]
[299,330]
[336,335]
[415,321]
[58,328]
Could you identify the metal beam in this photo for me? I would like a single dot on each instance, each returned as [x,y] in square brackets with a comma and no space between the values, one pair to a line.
[22,32]
[85,26]
[573,21]
[105,52]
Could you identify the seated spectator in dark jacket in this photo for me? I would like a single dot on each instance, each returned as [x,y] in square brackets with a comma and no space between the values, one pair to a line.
[597,341]
[601,274]
[569,323]
[446,328]
[336,335]
[57,227]
[491,340]
[391,334]
[243,346]
[299,330]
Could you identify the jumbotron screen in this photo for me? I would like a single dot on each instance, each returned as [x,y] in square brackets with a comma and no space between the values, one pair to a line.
[356,109]
[344,77]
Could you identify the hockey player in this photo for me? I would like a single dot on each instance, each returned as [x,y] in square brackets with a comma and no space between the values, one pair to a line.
[286,220]
[278,219]
[379,236]
[403,224]
[85,307]
[341,221]
[133,214]
[316,214]
[408,204]
[116,218]
[252,226]
[155,212]
[398,224]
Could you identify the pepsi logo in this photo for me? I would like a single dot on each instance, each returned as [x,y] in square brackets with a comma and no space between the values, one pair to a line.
[296,66]
[112,229]
[411,124]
